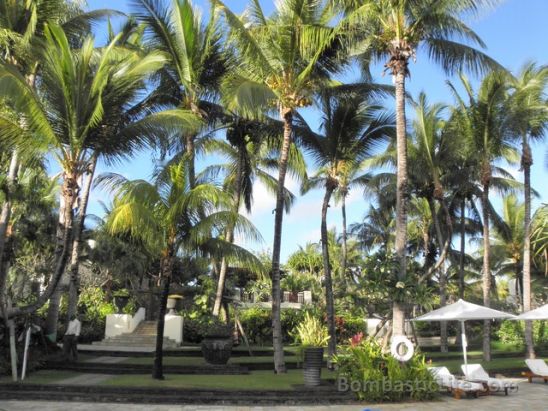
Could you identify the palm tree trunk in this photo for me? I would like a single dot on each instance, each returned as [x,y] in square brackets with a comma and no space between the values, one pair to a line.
[64,236]
[76,242]
[462,248]
[5,216]
[277,338]
[190,152]
[224,263]
[486,271]
[527,162]
[442,278]
[398,311]
[344,250]
[165,280]
[329,300]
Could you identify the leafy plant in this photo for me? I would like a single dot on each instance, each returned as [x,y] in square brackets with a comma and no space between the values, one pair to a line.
[512,332]
[311,332]
[218,329]
[377,376]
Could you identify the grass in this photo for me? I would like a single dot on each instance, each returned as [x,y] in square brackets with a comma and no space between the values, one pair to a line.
[200,361]
[495,365]
[43,377]
[256,380]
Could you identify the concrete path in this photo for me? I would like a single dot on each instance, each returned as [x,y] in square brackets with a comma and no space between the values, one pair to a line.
[533,397]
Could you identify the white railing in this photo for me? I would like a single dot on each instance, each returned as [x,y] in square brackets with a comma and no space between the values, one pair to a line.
[136,319]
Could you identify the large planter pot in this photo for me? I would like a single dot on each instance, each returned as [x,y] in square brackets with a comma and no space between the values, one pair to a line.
[313,360]
[120,301]
[217,349]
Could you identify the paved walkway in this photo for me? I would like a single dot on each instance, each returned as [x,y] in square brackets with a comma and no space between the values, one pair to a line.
[530,397]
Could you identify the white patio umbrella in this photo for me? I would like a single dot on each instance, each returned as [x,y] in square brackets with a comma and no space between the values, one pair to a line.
[463,311]
[540,313]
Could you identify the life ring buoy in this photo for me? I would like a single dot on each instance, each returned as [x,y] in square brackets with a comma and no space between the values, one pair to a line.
[395,345]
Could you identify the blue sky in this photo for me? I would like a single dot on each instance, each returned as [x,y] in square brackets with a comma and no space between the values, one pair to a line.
[515,32]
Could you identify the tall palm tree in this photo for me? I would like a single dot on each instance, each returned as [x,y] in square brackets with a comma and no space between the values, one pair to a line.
[195,61]
[22,27]
[174,218]
[432,155]
[508,242]
[392,31]
[350,178]
[484,118]
[281,61]
[529,104]
[351,127]
[251,151]
[540,235]
[68,114]
[124,128]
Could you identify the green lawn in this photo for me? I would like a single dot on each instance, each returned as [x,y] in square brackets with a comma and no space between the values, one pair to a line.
[43,377]
[200,361]
[497,364]
[256,380]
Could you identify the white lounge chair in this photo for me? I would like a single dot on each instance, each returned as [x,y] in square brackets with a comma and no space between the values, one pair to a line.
[476,373]
[538,368]
[457,387]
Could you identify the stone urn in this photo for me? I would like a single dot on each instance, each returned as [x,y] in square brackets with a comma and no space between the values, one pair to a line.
[172,303]
[217,344]
[312,366]
[120,301]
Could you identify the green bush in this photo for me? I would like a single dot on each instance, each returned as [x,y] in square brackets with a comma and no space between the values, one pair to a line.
[257,325]
[193,330]
[377,376]
[512,332]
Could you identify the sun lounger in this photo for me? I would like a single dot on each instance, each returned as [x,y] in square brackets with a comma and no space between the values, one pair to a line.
[457,387]
[476,373]
[538,368]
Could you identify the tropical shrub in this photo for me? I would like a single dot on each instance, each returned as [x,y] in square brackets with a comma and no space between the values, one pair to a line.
[374,375]
[512,333]
[194,329]
[348,325]
[257,324]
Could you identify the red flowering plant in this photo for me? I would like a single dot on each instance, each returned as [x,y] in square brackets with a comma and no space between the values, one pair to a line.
[356,339]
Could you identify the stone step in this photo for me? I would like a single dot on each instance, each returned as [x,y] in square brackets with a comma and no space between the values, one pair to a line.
[133,344]
[130,340]
[150,340]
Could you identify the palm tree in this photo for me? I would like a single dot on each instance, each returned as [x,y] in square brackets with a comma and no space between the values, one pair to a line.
[22,26]
[281,61]
[124,128]
[251,151]
[393,30]
[485,121]
[172,217]
[351,128]
[529,104]
[376,229]
[195,61]
[539,236]
[68,114]
[509,240]
[432,155]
